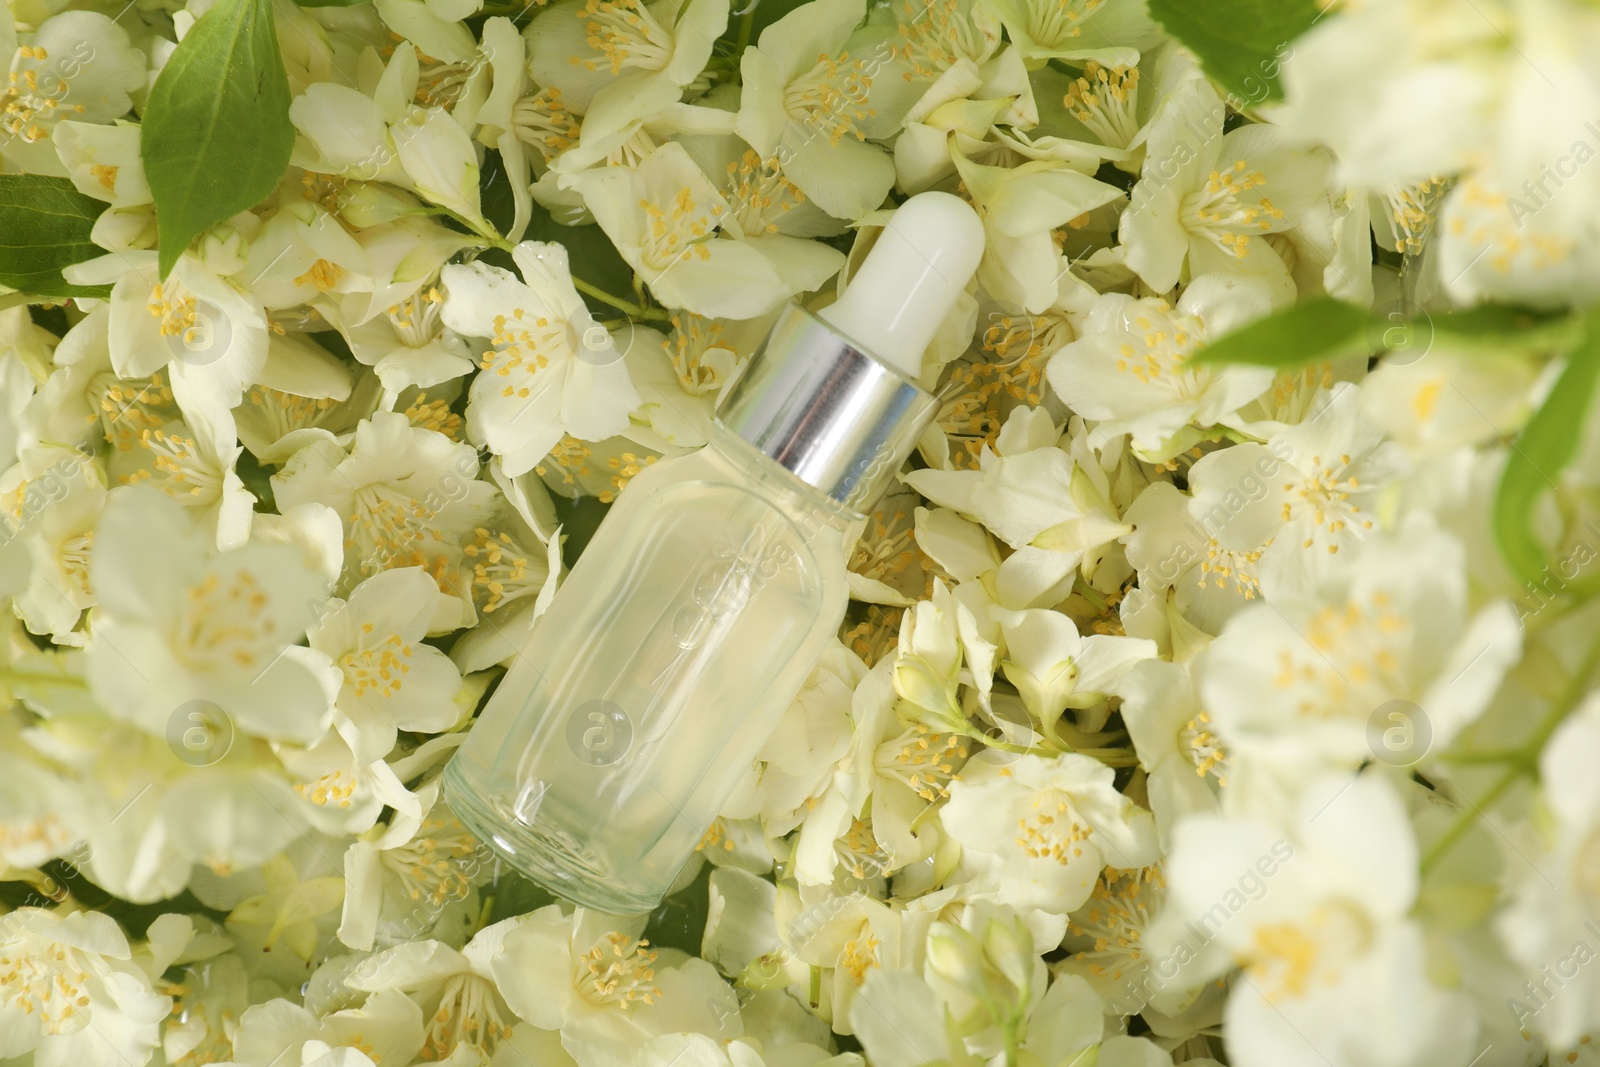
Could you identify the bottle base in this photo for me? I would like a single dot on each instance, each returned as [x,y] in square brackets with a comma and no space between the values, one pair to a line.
[553,865]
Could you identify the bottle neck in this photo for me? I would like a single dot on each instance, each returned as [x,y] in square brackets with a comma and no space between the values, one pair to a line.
[831,414]
[810,508]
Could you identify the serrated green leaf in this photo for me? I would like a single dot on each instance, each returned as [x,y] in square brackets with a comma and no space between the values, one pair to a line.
[1542,451]
[216,136]
[1240,43]
[1316,329]
[332,3]
[44,226]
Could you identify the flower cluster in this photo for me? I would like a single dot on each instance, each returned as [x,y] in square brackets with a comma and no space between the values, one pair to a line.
[1197,701]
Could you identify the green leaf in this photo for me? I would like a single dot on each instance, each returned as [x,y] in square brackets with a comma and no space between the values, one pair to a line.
[1320,328]
[44,226]
[216,137]
[1542,451]
[332,3]
[1240,43]
[1497,327]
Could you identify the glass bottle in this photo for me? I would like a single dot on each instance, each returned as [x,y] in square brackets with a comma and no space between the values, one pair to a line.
[708,593]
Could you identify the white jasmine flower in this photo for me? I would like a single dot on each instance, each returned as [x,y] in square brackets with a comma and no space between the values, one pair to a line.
[1046,827]
[439,158]
[1187,563]
[1494,244]
[768,212]
[615,61]
[408,496]
[1207,199]
[936,637]
[1313,905]
[1107,937]
[677,392]
[801,758]
[315,529]
[1020,207]
[976,86]
[1391,628]
[177,623]
[1175,740]
[192,460]
[25,358]
[1302,498]
[551,368]
[53,500]
[1400,92]
[848,938]
[34,825]
[414,878]
[1556,906]
[1054,668]
[900,1022]
[392,681]
[72,993]
[103,161]
[403,254]
[409,345]
[213,335]
[870,814]
[1111,31]
[1029,492]
[150,810]
[300,255]
[1128,369]
[207,1003]
[386,1028]
[273,425]
[346,795]
[600,987]
[986,969]
[1449,399]
[511,584]
[77,65]
[287,911]
[809,102]
[1114,105]
[663,215]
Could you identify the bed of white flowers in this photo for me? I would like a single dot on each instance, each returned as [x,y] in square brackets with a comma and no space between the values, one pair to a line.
[1221,682]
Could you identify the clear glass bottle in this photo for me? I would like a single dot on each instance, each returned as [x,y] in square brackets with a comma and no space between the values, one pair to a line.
[689,623]
[703,601]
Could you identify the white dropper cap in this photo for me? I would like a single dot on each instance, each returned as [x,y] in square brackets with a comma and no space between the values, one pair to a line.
[921,263]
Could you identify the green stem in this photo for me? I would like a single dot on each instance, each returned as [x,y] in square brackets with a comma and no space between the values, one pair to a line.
[746,24]
[1469,817]
[1111,757]
[1488,756]
[1525,760]
[1092,595]
[626,306]
[1011,1043]
[637,310]
[1577,687]
[32,678]
[1009,746]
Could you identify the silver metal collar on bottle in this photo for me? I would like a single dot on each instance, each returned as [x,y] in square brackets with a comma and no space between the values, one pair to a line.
[827,411]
